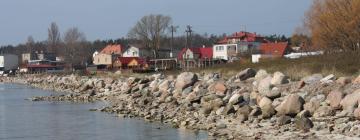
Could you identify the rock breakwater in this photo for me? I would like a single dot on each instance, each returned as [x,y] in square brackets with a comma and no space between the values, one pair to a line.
[250,105]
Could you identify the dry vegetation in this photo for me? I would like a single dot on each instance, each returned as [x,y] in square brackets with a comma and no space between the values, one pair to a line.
[340,64]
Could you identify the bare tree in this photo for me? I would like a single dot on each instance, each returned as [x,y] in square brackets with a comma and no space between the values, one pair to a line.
[30,43]
[53,40]
[74,42]
[150,30]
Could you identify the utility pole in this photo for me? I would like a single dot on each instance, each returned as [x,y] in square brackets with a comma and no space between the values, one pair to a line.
[188,36]
[173,29]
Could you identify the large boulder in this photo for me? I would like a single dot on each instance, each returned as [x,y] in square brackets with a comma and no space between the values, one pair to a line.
[246,74]
[343,80]
[357,113]
[324,111]
[265,85]
[261,74]
[185,80]
[279,78]
[312,106]
[303,123]
[292,105]
[274,93]
[266,107]
[219,88]
[357,80]
[236,98]
[334,98]
[328,79]
[313,78]
[351,101]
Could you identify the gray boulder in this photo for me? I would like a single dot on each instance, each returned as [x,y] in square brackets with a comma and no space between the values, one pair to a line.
[351,101]
[266,107]
[292,105]
[246,74]
[265,85]
[279,78]
[313,78]
[185,80]
[334,98]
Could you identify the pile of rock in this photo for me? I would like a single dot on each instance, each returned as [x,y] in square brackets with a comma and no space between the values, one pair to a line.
[251,104]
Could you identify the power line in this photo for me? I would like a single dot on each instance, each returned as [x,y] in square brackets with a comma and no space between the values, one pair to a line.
[188,36]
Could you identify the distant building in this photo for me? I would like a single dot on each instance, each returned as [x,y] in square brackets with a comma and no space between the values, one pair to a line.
[242,37]
[271,50]
[196,53]
[26,57]
[8,62]
[103,59]
[112,49]
[131,51]
[225,51]
[37,66]
[130,62]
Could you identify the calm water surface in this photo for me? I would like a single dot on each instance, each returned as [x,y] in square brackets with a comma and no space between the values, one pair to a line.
[26,120]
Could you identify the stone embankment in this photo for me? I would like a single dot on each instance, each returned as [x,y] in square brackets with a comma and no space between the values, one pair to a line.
[250,105]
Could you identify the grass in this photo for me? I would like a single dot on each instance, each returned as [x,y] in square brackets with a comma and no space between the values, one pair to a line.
[339,64]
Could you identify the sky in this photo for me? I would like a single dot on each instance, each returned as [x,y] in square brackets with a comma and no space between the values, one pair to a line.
[112,19]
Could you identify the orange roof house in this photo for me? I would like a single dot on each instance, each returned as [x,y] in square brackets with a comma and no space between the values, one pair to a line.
[275,49]
[112,49]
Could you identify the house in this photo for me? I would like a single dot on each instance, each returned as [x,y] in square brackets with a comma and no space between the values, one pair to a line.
[131,51]
[8,62]
[112,50]
[275,49]
[103,59]
[106,56]
[225,51]
[130,62]
[26,57]
[37,66]
[242,37]
[271,50]
[195,53]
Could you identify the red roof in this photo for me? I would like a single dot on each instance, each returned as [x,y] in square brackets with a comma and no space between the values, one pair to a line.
[203,52]
[277,49]
[112,49]
[243,36]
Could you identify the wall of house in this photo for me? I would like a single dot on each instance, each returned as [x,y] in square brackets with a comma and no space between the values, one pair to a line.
[132,52]
[188,54]
[224,51]
[102,59]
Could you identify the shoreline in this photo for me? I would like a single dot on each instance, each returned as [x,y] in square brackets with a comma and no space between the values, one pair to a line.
[250,105]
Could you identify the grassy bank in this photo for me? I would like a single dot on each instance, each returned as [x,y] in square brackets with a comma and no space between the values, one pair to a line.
[340,64]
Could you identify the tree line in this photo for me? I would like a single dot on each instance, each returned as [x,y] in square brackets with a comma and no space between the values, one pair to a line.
[151,31]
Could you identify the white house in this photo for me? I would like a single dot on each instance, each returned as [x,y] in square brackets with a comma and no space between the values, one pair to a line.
[8,62]
[225,51]
[131,51]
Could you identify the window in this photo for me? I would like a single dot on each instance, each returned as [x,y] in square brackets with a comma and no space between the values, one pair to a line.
[219,48]
[105,59]
[98,60]
[134,53]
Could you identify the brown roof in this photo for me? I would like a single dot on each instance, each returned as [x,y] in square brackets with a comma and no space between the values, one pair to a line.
[277,49]
[112,49]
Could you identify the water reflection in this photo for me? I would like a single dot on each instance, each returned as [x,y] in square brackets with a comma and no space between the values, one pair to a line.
[21,119]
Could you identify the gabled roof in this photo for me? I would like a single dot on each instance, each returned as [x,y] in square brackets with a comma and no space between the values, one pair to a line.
[277,49]
[112,49]
[243,36]
[203,52]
